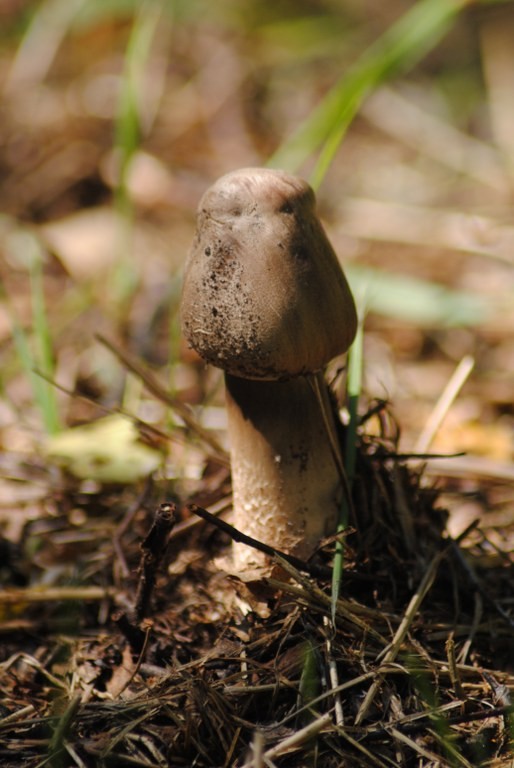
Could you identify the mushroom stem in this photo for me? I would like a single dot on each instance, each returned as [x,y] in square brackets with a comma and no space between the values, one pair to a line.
[286,485]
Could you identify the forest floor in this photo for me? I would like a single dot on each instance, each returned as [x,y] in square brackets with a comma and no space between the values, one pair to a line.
[124,642]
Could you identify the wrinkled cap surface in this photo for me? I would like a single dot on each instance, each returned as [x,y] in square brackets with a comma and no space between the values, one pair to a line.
[264,295]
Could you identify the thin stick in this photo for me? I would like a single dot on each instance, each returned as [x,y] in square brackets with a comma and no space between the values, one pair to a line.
[184,526]
[444,404]
[152,551]
[138,663]
[319,387]
[162,394]
[452,667]
[319,571]
[178,432]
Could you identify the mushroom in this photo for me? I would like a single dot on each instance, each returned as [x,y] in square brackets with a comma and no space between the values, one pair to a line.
[265,299]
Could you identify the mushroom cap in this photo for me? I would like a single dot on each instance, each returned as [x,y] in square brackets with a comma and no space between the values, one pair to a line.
[264,295]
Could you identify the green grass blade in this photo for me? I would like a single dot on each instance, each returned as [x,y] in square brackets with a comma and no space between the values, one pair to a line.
[404,44]
[128,135]
[28,362]
[309,688]
[354,386]
[128,124]
[43,394]
[44,359]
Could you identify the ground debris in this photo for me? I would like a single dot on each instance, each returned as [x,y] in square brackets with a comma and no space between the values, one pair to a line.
[416,670]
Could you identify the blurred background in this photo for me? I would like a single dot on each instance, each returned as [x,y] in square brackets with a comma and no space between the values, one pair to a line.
[117,115]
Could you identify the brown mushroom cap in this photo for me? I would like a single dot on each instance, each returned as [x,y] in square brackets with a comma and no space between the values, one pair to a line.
[264,295]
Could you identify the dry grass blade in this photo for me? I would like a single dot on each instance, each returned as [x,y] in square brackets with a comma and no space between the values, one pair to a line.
[25,595]
[333,678]
[471,466]
[19,715]
[257,746]
[312,595]
[392,651]
[301,737]
[430,135]
[416,748]
[296,740]
[416,225]
[355,743]
[162,394]
[444,404]
[453,754]
[30,661]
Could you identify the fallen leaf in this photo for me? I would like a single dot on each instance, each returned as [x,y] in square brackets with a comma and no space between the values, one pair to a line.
[108,451]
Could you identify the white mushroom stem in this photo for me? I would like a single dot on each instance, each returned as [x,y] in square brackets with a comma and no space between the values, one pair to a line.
[286,486]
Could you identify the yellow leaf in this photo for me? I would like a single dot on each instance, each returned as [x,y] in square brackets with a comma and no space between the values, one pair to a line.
[108,451]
